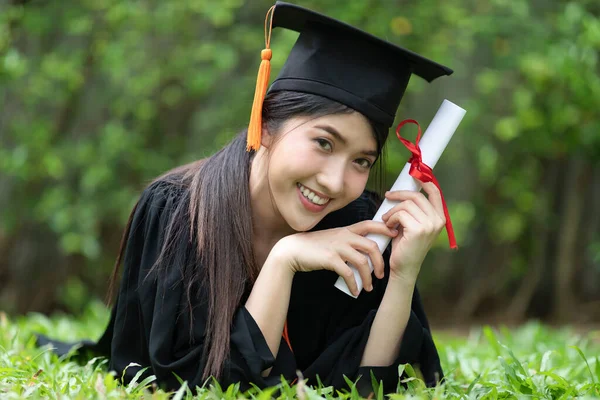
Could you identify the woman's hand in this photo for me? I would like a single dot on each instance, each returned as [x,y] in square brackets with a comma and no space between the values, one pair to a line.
[331,248]
[420,222]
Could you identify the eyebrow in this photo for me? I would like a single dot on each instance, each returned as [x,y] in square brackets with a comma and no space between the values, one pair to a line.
[333,132]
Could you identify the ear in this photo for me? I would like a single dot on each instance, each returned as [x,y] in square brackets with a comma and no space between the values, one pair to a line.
[266,140]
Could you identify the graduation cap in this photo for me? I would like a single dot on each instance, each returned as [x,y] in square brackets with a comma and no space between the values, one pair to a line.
[338,61]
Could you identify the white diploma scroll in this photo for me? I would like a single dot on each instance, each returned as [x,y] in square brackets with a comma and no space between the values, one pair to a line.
[432,144]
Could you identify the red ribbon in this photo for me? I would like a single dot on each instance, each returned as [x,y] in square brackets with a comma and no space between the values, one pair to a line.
[422,172]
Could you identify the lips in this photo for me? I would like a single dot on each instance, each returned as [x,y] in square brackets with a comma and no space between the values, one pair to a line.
[309,205]
[312,195]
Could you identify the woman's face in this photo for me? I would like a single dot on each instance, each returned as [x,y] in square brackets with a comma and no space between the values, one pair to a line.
[319,165]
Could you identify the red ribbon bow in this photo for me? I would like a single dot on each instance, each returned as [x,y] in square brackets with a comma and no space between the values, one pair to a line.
[422,172]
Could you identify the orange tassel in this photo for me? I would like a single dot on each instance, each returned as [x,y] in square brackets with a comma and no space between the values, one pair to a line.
[253,138]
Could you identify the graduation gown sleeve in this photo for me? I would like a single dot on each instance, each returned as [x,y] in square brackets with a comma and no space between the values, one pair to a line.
[329,330]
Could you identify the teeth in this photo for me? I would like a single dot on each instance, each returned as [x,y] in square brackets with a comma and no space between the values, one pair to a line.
[312,196]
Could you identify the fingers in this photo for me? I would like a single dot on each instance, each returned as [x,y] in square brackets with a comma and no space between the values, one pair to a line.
[370,250]
[417,197]
[406,220]
[435,198]
[412,208]
[368,246]
[364,227]
[358,243]
[432,207]
[361,263]
[343,270]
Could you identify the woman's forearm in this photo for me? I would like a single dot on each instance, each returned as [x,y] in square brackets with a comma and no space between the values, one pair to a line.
[269,300]
[383,345]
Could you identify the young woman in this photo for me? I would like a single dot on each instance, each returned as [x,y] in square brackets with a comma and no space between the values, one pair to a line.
[229,263]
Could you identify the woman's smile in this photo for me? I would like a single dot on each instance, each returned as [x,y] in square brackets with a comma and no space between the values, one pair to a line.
[311,200]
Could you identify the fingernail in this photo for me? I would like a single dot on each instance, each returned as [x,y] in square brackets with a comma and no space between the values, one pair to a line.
[395,231]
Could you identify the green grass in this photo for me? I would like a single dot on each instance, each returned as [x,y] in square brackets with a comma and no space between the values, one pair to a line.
[530,362]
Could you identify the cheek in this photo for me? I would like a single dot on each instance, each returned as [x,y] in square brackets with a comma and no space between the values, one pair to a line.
[299,162]
[356,184]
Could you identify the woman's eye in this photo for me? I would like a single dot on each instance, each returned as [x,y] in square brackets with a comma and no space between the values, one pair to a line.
[324,144]
[363,162]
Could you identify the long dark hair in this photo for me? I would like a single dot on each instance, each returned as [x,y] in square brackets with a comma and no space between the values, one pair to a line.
[214,212]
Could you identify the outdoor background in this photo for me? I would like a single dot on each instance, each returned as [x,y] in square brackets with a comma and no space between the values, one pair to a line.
[97,97]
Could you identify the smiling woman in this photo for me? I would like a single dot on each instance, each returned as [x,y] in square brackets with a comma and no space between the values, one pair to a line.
[229,262]
[311,155]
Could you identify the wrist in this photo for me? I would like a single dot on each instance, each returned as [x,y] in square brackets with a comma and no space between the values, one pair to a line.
[279,259]
[402,280]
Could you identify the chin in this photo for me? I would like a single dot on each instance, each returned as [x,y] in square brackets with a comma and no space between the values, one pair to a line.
[303,227]
[305,224]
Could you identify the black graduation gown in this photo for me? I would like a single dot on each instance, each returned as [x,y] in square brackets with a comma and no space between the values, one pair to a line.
[328,330]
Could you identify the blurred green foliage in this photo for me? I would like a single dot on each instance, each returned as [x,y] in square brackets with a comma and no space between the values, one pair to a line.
[97,97]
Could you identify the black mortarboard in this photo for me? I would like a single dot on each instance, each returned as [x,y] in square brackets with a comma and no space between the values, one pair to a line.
[343,63]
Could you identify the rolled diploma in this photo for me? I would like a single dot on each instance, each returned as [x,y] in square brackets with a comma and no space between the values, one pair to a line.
[432,144]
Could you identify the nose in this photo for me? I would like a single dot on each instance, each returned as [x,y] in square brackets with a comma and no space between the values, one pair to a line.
[331,178]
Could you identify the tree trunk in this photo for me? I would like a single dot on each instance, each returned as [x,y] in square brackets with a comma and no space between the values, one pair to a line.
[573,201]
[517,309]
[491,273]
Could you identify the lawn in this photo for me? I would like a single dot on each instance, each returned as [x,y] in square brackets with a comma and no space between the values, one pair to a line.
[532,361]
